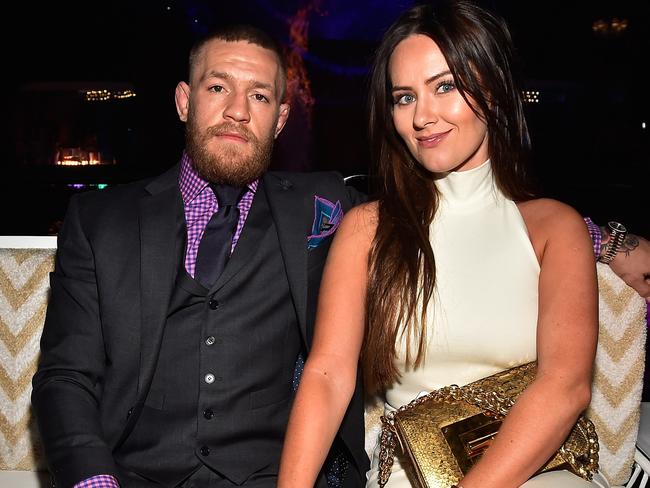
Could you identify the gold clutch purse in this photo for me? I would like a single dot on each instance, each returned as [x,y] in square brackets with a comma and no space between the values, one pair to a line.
[444,433]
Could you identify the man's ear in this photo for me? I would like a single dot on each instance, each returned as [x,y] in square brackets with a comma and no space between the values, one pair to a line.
[182,99]
[283,115]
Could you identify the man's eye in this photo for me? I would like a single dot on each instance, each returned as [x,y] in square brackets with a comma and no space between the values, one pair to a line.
[260,98]
[216,88]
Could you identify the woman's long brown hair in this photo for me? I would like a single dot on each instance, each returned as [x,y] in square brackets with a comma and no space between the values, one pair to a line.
[402,271]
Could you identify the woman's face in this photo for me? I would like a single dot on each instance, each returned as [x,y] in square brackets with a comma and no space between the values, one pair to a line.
[430,115]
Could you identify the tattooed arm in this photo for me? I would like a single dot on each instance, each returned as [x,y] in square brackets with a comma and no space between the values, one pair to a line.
[632,262]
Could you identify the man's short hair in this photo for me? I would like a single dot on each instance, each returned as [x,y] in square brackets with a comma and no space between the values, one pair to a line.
[248,33]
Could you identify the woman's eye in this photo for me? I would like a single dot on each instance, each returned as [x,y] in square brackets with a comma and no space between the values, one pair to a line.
[446,86]
[404,99]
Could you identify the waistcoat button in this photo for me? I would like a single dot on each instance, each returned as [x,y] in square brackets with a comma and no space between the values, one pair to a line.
[208,413]
[213,304]
[205,451]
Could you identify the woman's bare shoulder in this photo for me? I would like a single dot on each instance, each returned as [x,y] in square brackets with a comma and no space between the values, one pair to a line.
[550,220]
[547,212]
[361,219]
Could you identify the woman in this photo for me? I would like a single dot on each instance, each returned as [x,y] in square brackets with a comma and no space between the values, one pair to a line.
[506,278]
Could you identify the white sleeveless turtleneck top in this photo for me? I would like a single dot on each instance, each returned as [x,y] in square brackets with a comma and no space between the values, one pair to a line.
[483,316]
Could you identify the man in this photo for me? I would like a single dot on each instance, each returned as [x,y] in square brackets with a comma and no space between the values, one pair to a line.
[177,317]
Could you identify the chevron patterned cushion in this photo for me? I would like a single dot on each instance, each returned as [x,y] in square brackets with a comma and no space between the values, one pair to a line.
[618,374]
[24,285]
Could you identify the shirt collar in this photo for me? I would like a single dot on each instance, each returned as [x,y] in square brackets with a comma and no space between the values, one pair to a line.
[191,184]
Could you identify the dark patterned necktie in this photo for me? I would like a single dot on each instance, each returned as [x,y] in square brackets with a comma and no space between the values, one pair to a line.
[215,245]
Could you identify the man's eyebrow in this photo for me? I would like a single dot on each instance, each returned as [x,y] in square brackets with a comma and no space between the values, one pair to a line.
[261,85]
[218,74]
[427,82]
[228,77]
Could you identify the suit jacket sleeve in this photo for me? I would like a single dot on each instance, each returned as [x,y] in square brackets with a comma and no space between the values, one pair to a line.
[356,197]
[67,385]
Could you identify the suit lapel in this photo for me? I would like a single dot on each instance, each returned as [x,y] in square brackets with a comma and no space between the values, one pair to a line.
[162,228]
[291,210]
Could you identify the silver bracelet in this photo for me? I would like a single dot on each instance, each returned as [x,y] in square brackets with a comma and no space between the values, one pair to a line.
[617,235]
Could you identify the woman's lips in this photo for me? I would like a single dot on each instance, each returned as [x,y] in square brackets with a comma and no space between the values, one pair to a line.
[433,140]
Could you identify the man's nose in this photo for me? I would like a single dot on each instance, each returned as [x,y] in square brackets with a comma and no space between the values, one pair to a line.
[237,108]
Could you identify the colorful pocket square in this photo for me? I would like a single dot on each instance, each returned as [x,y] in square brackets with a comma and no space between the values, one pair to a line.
[327,217]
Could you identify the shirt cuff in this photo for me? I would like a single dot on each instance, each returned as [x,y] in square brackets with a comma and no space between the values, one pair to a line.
[99,481]
[596,236]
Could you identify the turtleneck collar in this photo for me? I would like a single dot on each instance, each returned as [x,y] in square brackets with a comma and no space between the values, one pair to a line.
[467,189]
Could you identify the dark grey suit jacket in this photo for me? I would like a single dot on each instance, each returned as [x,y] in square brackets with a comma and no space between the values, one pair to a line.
[117,258]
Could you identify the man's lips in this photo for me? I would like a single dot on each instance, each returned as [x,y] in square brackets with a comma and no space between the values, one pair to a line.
[432,140]
[234,136]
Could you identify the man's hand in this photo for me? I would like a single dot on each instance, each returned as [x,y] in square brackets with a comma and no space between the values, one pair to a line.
[632,264]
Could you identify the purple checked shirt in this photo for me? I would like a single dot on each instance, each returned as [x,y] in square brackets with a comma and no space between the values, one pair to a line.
[596,236]
[200,203]
[99,481]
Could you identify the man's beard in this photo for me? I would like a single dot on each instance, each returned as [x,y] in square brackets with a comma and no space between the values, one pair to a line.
[229,166]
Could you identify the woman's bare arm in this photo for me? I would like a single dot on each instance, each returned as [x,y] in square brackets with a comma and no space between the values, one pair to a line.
[329,378]
[567,333]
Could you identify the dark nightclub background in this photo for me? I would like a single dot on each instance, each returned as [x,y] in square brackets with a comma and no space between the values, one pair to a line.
[94,81]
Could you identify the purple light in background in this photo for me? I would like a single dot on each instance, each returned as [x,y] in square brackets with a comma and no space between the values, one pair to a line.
[81,186]
[360,20]
[340,19]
